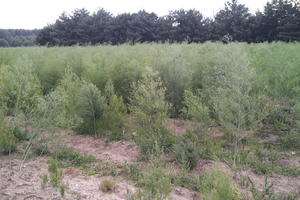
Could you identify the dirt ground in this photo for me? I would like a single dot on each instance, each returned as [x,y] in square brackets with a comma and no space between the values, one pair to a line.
[26,184]
[116,151]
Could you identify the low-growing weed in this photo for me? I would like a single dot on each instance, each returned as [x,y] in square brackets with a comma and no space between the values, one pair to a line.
[107,185]
[68,157]
[45,180]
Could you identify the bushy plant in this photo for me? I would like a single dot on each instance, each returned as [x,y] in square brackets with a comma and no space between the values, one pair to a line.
[112,119]
[150,109]
[8,141]
[90,107]
[155,140]
[50,112]
[237,109]
[148,101]
[215,184]
[20,88]
[194,107]
[154,184]
[85,104]
[192,146]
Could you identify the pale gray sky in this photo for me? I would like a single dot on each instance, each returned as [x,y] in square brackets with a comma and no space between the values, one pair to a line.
[29,14]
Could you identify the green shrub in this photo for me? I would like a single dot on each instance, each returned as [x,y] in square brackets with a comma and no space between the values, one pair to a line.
[148,102]
[192,146]
[149,105]
[8,141]
[194,108]
[154,184]
[51,113]
[90,107]
[112,119]
[155,141]
[215,184]
[20,87]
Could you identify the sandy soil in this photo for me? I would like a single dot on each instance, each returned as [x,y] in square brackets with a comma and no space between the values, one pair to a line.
[281,184]
[27,183]
[180,193]
[116,151]
[292,161]
[24,184]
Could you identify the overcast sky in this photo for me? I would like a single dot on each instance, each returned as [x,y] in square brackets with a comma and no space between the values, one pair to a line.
[30,14]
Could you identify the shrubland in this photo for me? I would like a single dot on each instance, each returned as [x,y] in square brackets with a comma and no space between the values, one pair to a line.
[251,92]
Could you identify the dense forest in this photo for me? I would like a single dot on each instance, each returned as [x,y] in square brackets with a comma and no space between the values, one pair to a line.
[279,21]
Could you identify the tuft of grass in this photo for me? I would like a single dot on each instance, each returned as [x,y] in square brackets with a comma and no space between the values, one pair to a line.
[107,185]
[41,149]
[68,157]
[291,140]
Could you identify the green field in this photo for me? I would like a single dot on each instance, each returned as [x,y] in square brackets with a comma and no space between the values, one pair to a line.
[165,98]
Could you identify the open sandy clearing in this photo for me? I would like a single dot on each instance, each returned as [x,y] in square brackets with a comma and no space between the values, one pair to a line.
[116,151]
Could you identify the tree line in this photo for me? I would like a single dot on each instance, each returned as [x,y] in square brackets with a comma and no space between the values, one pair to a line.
[279,21]
[17,37]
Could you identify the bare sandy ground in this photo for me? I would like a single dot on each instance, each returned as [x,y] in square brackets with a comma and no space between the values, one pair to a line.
[115,151]
[26,183]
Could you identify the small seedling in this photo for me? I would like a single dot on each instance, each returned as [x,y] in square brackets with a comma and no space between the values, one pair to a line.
[44,180]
